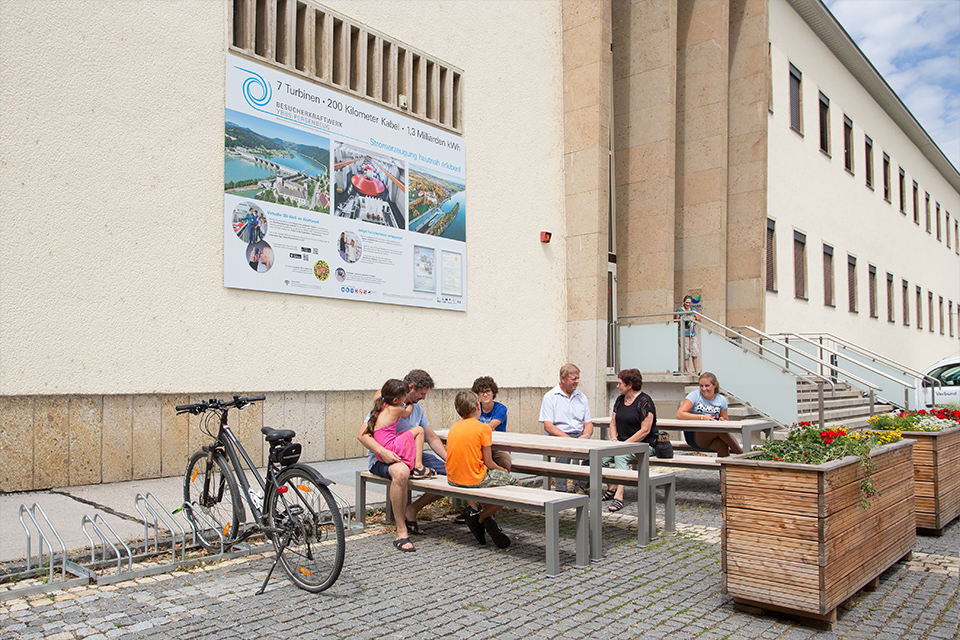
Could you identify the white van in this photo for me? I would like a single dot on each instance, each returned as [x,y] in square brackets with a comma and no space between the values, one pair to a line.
[947,371]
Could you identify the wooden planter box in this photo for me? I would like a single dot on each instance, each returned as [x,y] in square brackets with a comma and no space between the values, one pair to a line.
[796,538]
[936,472]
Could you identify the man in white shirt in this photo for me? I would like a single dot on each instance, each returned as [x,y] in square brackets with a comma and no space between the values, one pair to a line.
[565,413]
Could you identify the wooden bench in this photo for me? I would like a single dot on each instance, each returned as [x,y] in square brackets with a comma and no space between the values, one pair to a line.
[686,461]
[614,476]
[550,503]
[746,429]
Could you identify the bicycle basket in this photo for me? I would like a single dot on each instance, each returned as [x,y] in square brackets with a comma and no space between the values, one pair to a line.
[285,453]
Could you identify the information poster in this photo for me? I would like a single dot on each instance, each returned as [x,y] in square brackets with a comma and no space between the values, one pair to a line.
[328,195]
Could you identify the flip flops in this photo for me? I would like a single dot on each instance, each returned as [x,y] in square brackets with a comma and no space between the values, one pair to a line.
[402,543]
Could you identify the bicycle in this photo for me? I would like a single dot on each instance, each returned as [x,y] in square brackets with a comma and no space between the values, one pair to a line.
[297,511]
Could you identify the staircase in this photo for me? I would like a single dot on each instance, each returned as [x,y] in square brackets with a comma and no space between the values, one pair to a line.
[847,407]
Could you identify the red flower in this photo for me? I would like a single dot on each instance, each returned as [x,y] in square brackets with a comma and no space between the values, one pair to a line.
[956,414]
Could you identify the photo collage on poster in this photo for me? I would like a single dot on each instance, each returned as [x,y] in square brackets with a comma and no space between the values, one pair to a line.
[331,196]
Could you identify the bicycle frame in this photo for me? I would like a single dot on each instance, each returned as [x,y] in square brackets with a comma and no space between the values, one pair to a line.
[229,442]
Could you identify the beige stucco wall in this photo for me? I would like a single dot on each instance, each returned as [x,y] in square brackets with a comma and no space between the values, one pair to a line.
[811,192]
[112,175]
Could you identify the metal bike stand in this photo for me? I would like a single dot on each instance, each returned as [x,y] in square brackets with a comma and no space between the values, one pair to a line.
[350,522]
[95,523]
[157,510]
[82,575]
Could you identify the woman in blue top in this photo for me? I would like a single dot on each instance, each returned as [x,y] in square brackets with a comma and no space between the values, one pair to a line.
[707,404]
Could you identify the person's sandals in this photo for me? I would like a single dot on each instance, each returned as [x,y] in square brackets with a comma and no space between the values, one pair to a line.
[476,529]
[423,473]
[500,539]
[462,518]
[616,505]
[401,545]
[609,494]
[413,527]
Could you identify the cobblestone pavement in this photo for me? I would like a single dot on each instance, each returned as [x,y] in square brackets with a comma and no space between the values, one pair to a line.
[452,588]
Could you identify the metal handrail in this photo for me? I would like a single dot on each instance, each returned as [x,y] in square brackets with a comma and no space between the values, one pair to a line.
[841,355]
[876,356]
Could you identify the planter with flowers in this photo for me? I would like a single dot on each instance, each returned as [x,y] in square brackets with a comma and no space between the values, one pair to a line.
[936,463]
[809,521]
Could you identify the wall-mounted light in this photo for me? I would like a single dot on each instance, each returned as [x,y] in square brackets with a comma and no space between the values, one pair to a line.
[545,236]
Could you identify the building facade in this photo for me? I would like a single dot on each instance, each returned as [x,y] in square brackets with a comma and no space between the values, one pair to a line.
[652,139]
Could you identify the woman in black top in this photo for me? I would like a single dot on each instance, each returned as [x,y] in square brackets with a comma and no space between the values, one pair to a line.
[634,419]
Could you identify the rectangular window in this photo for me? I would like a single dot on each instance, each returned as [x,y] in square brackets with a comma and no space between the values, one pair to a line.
[906,303]
[868,160]
[828,276]
[824,124]
[886,177]
[939,230]
[947,225]
[941,316]
[891,315]
[771,256]
[903,193]
[872,289]
[926,201]
[950,315]
[799,265]
[956,237]
[795,119]
[930,326]
[916,202]
[919,308]
[852,284]
[848,144]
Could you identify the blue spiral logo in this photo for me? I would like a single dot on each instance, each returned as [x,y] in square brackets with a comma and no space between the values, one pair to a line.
[256,90]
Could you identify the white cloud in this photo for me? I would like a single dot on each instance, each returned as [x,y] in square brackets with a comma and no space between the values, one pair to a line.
[915,45]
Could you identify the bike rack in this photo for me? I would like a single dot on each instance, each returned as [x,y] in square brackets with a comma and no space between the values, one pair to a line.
[195,515]
[152,503]
[95,523]
[67,567]
[346,512]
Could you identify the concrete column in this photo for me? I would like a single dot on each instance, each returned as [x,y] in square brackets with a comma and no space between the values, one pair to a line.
[587,64]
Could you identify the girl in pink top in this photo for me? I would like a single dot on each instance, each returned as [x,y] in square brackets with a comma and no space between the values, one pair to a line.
[382,425]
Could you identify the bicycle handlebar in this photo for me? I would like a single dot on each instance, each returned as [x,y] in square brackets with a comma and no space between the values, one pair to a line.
[213,403]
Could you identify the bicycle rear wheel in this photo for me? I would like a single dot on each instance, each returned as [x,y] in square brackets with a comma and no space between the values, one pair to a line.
[213,495]
[306,527]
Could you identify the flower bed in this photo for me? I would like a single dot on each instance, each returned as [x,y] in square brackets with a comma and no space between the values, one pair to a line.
[936,463]
[801,537]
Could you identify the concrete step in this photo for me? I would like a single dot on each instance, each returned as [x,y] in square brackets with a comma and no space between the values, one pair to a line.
[834,403]
[836,415]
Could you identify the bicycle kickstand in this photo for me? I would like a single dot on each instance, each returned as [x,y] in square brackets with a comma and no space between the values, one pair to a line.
[283,545]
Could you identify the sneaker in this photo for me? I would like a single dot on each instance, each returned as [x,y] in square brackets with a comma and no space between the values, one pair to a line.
[500,539]
[462,518]
[476,528]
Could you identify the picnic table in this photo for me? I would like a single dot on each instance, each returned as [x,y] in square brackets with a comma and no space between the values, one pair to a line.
[746,428]
[591,450]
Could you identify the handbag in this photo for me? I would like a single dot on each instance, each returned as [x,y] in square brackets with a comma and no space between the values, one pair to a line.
[662,447]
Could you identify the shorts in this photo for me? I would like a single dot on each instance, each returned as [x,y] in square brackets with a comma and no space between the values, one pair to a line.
[430,460]
[502,458]
[494,478]
[691,345]
[691,438]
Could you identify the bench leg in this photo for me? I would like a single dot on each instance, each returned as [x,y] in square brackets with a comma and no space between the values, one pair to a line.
[583,537]
[553,539]
[645,502]
[361,499]
[670,507]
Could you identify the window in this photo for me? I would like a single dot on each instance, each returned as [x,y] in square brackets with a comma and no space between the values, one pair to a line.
[956,237]
[891,316]
[906,304]
[825,124]
[916,202]
[828,275]
[771,256]
[872,289]
[948,228]
[903,193]
[941,315]
[868,160]
[852,284]
[919,308]
[886,177]
[930,326]
[939,231]
[950,315]
[795,119]
[325,47]
[848,144]
[799,265]
[927,208]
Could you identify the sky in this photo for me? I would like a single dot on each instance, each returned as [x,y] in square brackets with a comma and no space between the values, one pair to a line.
[915,45]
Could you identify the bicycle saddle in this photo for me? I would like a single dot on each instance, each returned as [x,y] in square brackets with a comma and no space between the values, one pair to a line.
[274,435]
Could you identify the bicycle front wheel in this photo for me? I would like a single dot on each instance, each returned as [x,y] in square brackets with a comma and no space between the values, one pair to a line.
[211,490]
[306,527]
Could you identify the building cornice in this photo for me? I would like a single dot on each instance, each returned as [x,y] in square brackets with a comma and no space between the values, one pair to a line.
[832,34]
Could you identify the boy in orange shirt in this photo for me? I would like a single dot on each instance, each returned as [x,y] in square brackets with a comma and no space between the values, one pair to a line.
[470,464]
